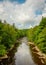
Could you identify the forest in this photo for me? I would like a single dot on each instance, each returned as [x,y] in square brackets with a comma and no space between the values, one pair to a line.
[9,35]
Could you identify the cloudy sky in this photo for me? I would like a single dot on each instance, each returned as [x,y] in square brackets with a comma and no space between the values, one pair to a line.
[24,13]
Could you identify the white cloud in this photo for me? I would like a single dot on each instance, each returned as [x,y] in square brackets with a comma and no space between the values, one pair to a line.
[44,11]
[1,8]
[22,13]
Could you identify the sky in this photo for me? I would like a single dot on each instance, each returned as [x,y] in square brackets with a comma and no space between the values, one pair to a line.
[24,13]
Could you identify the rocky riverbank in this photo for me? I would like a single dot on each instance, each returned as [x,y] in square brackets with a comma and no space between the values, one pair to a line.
[38,56]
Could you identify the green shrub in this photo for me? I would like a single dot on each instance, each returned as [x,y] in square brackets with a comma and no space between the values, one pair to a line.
[2,50]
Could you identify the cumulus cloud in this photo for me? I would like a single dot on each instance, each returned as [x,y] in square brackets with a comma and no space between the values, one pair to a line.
[44,11]
[23,15]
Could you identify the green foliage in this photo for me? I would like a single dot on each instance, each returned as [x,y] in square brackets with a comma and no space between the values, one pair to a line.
[2,50]
[21,33]
[30,35]
[43,22]
[38,35]
[42,40]
[9,36]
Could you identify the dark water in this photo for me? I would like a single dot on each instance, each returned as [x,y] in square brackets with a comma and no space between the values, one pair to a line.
[23,55]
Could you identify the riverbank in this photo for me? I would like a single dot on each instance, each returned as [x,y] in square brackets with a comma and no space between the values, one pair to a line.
[8,59]
[38,56]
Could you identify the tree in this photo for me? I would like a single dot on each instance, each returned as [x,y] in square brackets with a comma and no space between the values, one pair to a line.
[43,22]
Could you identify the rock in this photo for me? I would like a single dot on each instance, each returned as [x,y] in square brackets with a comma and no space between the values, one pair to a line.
[42,61]
[4,57]
[35,49]
[38,54]
[30,43]
[39,57]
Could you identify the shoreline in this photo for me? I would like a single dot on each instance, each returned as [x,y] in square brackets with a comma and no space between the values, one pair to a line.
[38,57]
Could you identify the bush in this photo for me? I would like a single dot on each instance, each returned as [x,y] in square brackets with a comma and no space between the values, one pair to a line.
[2,50]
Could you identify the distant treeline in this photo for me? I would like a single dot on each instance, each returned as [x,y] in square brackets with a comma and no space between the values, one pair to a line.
[38,35]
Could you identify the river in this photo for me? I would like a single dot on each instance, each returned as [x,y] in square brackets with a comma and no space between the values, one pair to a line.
[23,55]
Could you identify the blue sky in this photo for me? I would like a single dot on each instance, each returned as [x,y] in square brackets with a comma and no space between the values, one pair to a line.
[24,13]
[19,1]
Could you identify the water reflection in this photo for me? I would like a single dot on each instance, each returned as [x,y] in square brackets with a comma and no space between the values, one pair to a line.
[23,56]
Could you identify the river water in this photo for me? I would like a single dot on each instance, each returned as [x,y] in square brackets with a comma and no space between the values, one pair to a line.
[23,55]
